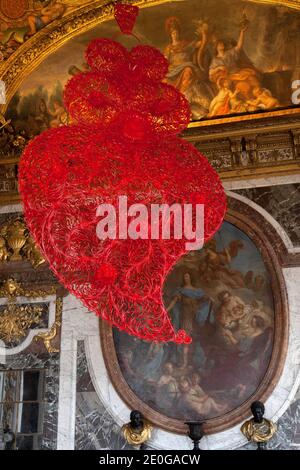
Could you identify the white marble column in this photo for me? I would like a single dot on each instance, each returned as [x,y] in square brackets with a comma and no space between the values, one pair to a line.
[67,375]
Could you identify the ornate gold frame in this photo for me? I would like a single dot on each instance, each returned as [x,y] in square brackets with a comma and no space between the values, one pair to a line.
[273,258]
[50,38]
[11,289]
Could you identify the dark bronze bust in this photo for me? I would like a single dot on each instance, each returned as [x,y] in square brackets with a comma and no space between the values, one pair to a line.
[258,429]
[137,431]
[258,411]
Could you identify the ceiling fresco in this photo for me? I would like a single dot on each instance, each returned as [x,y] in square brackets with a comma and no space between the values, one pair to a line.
[229,58]
[20,20]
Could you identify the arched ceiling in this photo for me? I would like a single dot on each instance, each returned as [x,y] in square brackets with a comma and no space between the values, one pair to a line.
[270,62]
[73,18]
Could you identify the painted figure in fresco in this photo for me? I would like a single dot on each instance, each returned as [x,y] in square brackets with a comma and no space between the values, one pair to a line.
[256,283]
[216,264]
[182,71]
[42,116]
[195,399]
[228,315]
[127,359]
[256,318]
[221,103]
[263,99]
[232,309]
[239,322]
[153,361]
[202,91]
[237,79]
[45,15]
[187,69]
[15,32]
[59,115]
[11,37]
[231,59]
[189,304]
[167,387]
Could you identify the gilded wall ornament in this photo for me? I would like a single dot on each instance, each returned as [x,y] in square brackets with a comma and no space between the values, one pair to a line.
[32,253]
[259,432]
[16,320]
[12,289]
[16,238]
[17,245]
[15,13]
[50,335]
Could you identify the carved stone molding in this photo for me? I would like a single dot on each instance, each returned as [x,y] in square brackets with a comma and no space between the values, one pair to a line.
[243,152]
[235,151]
[12,289]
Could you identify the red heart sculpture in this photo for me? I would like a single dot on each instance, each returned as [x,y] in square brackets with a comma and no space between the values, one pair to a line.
[125,16]
[122,142]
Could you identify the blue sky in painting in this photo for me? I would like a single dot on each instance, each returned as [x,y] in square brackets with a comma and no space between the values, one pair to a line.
[249,258]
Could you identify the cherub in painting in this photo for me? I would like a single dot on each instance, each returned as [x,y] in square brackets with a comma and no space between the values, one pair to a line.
[196,400]
[43,15]
[263,99]
[216,264]
[221,103]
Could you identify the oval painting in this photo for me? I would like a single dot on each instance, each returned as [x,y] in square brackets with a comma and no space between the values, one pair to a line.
[222,296]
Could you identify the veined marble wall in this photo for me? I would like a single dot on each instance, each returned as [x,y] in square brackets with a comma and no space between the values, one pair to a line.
[50,364]
[95,426]
[28,354]
[282,202]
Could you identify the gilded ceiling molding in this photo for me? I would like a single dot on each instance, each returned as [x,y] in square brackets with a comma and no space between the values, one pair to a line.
[285,3]
[27,57]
